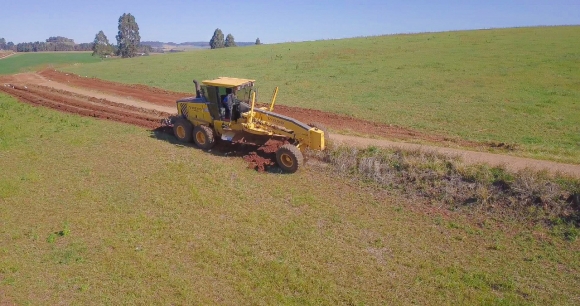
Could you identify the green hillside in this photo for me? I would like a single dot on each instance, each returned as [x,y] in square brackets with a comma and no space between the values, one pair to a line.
[23,62]
[518,86]
[90,218]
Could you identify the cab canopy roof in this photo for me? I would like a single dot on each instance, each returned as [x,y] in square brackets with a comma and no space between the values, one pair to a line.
[229,82]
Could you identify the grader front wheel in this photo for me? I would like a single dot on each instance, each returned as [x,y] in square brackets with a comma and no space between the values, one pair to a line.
[289,158]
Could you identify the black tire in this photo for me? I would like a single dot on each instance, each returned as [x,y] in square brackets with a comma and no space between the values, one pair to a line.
[323,128]
[203,137]
[182,129]
[289,158]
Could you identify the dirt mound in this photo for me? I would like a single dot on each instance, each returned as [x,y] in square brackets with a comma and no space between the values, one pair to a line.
[265,155]
[258,162]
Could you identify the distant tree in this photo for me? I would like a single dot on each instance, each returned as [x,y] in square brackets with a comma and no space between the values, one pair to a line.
[258,41]
[10,46]
[217,40]
[101,45]
[57,43]
[3,44]
[230,41]
[145,49]
[60,39]
[128,39]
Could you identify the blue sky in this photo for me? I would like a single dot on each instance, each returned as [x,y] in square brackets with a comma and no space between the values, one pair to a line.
[272,21]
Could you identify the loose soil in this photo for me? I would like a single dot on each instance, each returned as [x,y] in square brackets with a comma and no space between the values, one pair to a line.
[268,156]
[6,54]
[84,105]
[146,106]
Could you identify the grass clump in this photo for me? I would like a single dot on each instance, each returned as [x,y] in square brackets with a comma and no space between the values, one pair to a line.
[494,191]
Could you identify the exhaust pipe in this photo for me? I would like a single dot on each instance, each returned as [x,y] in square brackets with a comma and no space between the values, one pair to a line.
[197,89]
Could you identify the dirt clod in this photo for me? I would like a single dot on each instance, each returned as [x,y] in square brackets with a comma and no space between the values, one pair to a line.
[258,162]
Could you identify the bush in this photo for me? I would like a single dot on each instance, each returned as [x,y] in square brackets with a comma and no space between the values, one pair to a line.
[524,195]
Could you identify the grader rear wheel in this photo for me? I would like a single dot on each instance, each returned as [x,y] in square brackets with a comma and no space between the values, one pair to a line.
[182,130]
[289,158]
[203,137]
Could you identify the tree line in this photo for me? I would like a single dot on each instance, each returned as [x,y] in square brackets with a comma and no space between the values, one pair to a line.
[217,40]
[57,43]
[128,42]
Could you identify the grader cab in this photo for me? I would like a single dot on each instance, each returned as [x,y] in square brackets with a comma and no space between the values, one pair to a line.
[224,108]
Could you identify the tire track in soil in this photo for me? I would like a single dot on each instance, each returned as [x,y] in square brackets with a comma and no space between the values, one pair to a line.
[77,104]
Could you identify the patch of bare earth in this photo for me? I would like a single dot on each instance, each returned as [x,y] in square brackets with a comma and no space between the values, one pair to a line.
[4,55]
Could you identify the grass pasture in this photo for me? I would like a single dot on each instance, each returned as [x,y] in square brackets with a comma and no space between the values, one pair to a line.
[517,86]
[25,62]
[94,212]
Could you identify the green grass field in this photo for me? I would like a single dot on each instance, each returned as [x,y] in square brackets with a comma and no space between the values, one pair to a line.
[24,62]
[88,216]
[518,86]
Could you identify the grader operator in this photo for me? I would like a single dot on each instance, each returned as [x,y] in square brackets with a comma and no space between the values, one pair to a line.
[224,108]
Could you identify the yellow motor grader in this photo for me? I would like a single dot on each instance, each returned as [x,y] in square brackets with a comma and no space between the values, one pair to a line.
[225,108]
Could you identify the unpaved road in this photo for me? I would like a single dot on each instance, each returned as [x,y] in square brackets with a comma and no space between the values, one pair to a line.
[469,157]
[145,106]
[4,55]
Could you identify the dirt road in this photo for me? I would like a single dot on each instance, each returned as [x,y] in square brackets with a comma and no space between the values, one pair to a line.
[4,55]
[470,157]
[145,106]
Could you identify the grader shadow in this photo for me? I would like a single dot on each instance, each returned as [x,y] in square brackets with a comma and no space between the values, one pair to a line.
[253,154]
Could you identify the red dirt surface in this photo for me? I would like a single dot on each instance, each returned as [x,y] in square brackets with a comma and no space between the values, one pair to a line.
[272,145]
[139,92]
[5,54]
[83,105]
[334,121]
[258,162]
[261,161]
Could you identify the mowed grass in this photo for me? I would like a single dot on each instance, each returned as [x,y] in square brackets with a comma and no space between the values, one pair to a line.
[24,62]
[517,86]
[95,212]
